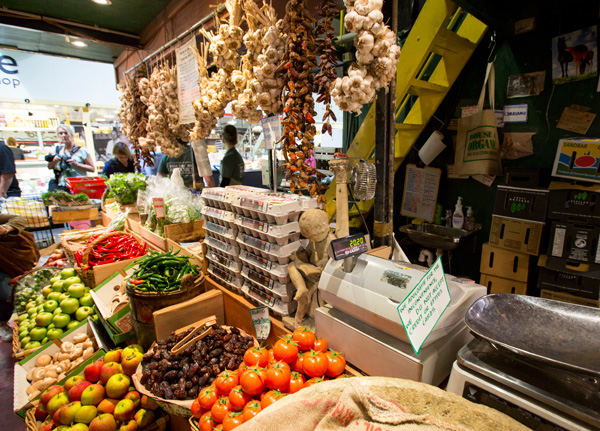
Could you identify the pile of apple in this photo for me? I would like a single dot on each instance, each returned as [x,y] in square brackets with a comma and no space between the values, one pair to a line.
[61,306]
[103,399]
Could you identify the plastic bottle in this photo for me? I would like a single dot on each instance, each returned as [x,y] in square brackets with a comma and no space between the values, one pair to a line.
[437,217]
[458,218]
[470,220]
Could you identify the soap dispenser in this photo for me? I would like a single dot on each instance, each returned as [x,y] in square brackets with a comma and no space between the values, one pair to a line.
[470,220]
[458,218]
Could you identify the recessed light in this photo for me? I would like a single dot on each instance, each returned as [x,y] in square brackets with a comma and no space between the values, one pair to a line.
[79,43]
[102,2]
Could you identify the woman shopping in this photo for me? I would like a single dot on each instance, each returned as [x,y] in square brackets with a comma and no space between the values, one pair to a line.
[68,160]
[121,163]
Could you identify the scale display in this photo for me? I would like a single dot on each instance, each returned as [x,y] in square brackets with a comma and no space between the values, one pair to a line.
[348,246]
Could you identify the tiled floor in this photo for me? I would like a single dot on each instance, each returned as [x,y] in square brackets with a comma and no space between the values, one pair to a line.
[8,420]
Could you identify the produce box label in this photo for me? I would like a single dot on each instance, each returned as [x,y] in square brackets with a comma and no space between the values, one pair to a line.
[219,259]
[424,305]
[259,261]
[261,321]
[260,279]
[268,299]
[255,224]
[578,159]
[253,204]
[257,243]
[159,207]
[216,228]
[222,273]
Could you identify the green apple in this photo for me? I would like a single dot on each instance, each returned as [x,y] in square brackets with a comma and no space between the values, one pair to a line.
[50,305]
[46,290]
[76,290]
[31,325]
[54,296]
[86,300]
[63,296]
[32,345]
[67,272]
[57,311]
[23,335]
[55,279]
[25,340]
[70,281]
[37,334]
[45,340]
[83,312]
[72,324]
[69,305]
[58,286]
[51,325]
[43,319]
[30,305]
[23,317]
[61,320]
[54,333]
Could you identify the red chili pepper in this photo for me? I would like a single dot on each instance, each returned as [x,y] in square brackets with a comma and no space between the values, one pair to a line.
[136,281]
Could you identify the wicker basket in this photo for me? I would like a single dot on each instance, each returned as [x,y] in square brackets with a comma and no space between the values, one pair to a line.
[73,241]
[18,352]
[194,424]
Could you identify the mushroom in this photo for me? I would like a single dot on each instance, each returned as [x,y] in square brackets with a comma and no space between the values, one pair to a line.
[86,344]
[43,360]
[30,374]
[79,338]
[76,353]
[66,347]
[38,374]
[88,352]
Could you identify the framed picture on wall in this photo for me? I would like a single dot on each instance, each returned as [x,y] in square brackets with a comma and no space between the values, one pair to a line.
[575,55]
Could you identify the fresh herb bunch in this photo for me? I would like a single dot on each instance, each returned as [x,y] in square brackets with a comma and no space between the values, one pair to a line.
[124,187]
[63,198]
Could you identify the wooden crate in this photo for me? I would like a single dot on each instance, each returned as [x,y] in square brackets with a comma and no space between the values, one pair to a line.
[181,232]
[74,215]
[133,224]
[157,241]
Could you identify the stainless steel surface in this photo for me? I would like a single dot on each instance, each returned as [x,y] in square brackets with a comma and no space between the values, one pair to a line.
[557,333]
[570,393]
[437,236]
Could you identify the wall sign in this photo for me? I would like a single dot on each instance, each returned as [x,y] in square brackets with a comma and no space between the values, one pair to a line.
[187,81]
[516,113]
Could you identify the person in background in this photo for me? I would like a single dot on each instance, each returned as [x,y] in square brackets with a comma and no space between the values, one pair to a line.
[9,185]
[17,152]
[187,167]
[121,163]
[69,160]
[18,254]
[232,165]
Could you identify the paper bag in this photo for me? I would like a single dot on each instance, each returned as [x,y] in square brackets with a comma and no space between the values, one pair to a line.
[477,144]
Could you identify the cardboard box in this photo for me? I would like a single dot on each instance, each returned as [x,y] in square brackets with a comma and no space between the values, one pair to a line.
[528,204]
[156,240]
[565,297]
[574,204]
[575,243]
[522,236]
[504,263]
[503,285]
[20,399]
[578,159]
[523,177]
[571,282]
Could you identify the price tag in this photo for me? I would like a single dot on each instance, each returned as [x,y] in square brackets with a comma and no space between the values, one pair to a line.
[252,204]
[255,224]
[257,243]
[349,246]
[260,278]
[216,228]
[159,207]
[271,131]
[261,322]
[424,305]
[257,260]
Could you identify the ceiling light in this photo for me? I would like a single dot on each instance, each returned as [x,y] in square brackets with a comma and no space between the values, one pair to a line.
[102,2]
[79,43]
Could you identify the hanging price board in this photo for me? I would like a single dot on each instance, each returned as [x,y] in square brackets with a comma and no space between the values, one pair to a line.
[271,131]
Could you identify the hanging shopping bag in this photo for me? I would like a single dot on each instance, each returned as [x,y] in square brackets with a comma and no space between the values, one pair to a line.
[477,144]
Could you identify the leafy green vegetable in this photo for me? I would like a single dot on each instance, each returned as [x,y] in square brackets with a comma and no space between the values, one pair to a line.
[124,187]
[63,198]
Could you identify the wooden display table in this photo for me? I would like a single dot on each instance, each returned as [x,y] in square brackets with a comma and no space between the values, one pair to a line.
[236,312]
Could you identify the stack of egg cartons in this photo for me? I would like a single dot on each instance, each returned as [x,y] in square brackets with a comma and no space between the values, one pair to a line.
[268,234]
[221,232]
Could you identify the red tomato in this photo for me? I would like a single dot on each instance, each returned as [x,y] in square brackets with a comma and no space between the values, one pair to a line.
[251,409]
[344,376]
[285,350]
[256,356]
[278,376]
[232,420]
[238,398]
[241,370]
[253,381]
[206,422]
[337,363]
[315,364]
[219,427]
[272,356]
[207,397]
[197,410]
[320,345]
[220,409]
[313,381]
[269,398]
[298,364]
[304,337]
[296,382]
[226,381]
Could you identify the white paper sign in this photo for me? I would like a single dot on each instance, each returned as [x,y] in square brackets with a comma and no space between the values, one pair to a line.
[424,305]
[271,130]
[261,322]
[187,81]
[516,113]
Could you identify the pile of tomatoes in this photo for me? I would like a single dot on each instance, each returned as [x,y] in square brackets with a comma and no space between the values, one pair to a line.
[296,361]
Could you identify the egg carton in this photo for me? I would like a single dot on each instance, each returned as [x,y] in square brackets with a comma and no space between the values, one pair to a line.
[274,252]
[277,306]
[225,237]
[220,229]
[227,278]
[217,197]
[281,234]
[222,245]
[283,291]
[306,202]
[267,267]
[219,216]
[238,189]
[221,259]
[232,256]
[272,209]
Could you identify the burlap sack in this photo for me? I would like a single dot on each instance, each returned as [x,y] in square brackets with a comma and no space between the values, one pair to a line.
[378,404]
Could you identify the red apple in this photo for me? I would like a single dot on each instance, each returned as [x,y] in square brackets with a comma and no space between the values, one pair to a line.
[108,370]
[47,425]
[86,414]
[129,426]
[57,402]
[144,417]
[41,413]
[56,416]
[66,415]
[79,427]
[76,391]
[72,382]
[148,403]
[92,395]
[104,422]
[133,396]
[49,393]
[107,405]
[117,386]
[113,356]
[92,371]
[131,362]
[132,348]
[124,410]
